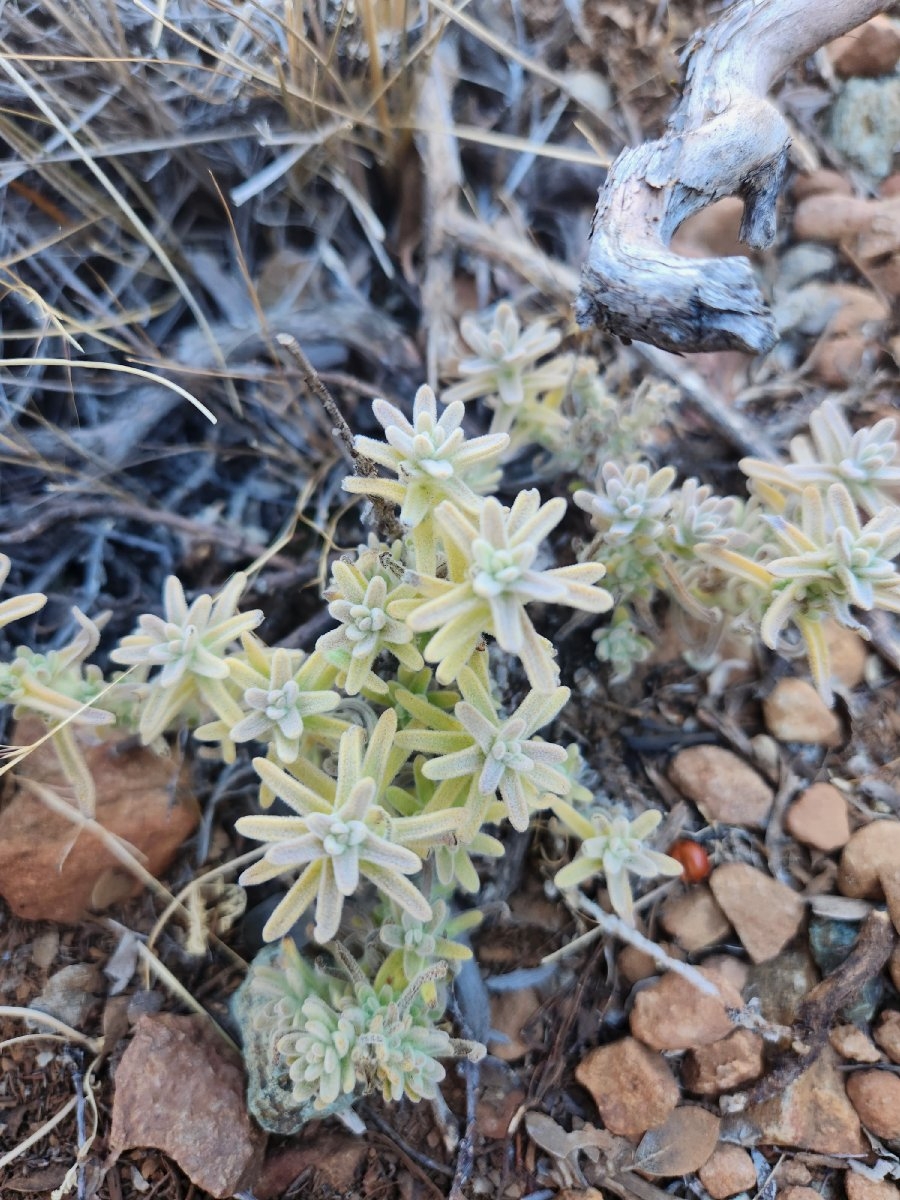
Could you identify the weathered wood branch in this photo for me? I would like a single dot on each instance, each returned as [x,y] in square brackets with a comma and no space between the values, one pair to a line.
[724,139]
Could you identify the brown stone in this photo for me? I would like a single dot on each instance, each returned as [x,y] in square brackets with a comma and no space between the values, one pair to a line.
[812,1113]
[727,1171]
[635,964]
[725,1065]
[180,1088]
[873,849]
[854,1045]
[876,1097]
[333,1159]
[633,1088]
[894,968]
[495,1109]
[795,712]
[672,1014]
[820,818]
[714,232]
[869,51]
[765,913]
[510,1013]
[680,1146]
[694,919]
[847,655]
[722,786]
[887,1033]
[733,970]
[821,182]
[857,1187]
[49,874]
[797,1192]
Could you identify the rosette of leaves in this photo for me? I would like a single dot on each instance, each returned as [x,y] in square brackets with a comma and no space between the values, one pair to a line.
[416,946]
[614,848]
[502,369]
[189,644]
[865,462]
[830,563]
[341,833]
[492,756]
[345,1038]
[361,596]
[491,580]
[432,460]
[61,688]
[283,695]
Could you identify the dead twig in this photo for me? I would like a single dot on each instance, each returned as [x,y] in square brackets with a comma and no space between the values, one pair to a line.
[809,1032]
[723,139]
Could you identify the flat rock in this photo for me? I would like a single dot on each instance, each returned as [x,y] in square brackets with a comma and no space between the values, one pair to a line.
[49,874]
[510,1013]
[765,913]
[851,1043]
[727,1171]
[857,1187]
[635,965]
[725,1065]
[887,1033]
[180,1088]
[869,51]
[812,1113]
[723,786]
[872,850]
[680,1146]
[694,919]
[847,654]
[876,1097]
[334,1159]
[795,712]
[634,1089]
[672,1014]
[820,818]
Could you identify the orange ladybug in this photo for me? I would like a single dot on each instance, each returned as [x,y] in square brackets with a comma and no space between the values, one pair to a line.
[695,865]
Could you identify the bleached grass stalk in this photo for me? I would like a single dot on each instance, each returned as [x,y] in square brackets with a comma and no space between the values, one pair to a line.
[614,926]
[81,364]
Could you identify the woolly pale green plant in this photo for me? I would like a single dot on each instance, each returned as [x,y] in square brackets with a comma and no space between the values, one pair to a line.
[189,644]
[614,848]
[340,834]
[492,578]
[433,461]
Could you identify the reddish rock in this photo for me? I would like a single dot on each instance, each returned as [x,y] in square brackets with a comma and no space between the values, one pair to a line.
[812,1113]
[821,182]
[724,1066]
[795,712]
[820,818]
[49,874]
[180,1088]
[681,1146]
[495,1109]
[867,52]
[876,1097]
[722,786]
[871,851]
[765,913]
[854,1045]
[727,1171]
[857,1187]
[633,1088]
[694,919]
[674,1015]
[847,654]
[333,1159]
[635,964]
[887,1034]
[796,1192]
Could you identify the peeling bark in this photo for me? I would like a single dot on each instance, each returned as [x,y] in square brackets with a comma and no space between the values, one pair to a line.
[724,139]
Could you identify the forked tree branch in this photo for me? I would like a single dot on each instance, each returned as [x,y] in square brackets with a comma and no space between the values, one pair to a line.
[724,138]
